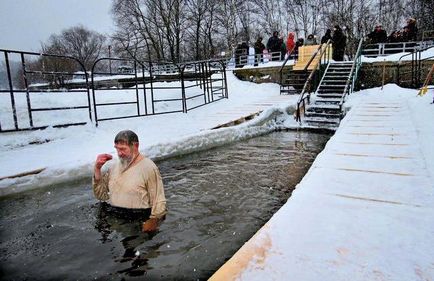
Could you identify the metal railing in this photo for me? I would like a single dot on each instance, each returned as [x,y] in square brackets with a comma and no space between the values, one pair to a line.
[146,92]
[32,80]
[324,55]
[415,69]
[43,90]
[253,60]
[385,49]
[352,78]
[290,55]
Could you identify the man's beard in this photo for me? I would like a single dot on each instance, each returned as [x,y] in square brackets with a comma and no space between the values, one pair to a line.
[125,162]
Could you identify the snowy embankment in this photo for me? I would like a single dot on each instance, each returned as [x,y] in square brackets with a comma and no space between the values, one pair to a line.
[67,154]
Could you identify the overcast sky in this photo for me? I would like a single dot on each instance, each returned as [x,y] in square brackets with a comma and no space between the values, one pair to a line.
[24,24]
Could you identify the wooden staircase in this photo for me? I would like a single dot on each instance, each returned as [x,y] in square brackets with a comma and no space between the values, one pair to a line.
[325,110]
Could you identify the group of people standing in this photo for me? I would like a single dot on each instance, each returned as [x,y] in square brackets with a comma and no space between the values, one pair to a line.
[407,33]
[276,44]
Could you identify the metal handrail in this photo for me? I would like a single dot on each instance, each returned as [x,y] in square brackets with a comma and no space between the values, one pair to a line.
[283,65]
[313,56]
[415,62]
[421,50]
[352,78]
[323,50]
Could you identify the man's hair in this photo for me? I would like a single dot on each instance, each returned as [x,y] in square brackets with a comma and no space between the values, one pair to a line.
[127,136]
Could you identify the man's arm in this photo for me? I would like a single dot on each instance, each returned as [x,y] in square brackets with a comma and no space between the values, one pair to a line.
[157,201]
[100,181]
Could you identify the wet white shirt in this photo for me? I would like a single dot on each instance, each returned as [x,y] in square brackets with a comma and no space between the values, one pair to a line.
[138,187]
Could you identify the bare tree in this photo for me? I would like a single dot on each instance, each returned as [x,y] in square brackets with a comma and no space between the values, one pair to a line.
[78,42]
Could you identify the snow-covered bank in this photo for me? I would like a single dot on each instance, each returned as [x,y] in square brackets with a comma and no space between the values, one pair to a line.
[364,210]
[51,175]
[66,154]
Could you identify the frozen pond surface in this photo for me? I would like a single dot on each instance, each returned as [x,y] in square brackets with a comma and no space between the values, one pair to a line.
[217,200]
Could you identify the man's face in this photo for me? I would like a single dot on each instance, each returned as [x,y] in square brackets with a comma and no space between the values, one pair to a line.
[125,152]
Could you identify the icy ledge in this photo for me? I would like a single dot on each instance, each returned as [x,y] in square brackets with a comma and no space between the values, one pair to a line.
[268,121]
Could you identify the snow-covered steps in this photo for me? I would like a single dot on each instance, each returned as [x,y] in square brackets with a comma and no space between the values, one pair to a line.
[293,82]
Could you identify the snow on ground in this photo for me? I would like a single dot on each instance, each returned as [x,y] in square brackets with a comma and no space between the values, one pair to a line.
[365,209]
[68,153]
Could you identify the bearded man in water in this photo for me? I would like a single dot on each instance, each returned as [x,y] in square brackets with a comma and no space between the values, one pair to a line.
[132,184]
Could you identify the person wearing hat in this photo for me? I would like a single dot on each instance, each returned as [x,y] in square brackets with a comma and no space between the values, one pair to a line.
[131,184]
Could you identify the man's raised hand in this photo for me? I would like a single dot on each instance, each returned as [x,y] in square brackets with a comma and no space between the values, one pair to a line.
[101,159]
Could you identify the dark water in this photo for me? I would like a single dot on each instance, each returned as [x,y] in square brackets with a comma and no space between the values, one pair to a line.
[217,200]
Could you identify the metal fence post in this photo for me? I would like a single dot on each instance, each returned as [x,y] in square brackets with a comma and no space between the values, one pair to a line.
[11,91]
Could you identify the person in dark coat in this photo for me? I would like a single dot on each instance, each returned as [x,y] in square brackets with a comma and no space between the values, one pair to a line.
[259,49]
[241,53]
[298,44]
[378,35]
[327,36]
[282,48]
[395,37]
[410,30]
[339,42]
[274,45]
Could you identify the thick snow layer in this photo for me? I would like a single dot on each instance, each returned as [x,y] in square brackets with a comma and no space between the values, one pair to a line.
[365,209]
[68,153]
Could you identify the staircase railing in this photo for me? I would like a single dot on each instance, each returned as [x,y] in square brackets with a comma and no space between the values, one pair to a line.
[352,78]
[416,67]
[324,54]
[283,66]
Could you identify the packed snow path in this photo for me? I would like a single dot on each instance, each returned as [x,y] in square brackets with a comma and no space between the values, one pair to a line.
[365,209]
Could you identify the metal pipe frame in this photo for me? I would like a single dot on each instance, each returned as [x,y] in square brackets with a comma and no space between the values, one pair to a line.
[20,125]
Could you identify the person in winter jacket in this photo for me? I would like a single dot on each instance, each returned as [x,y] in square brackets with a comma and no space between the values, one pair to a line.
[241,53]
[290,44]
[339,41]
[259,49]
[379,35]
[311,40]
[410,30]
[282,48]
[274,45]
[327,36]
[298,44]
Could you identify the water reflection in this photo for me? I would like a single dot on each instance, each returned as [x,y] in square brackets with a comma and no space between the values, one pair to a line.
[127,225]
